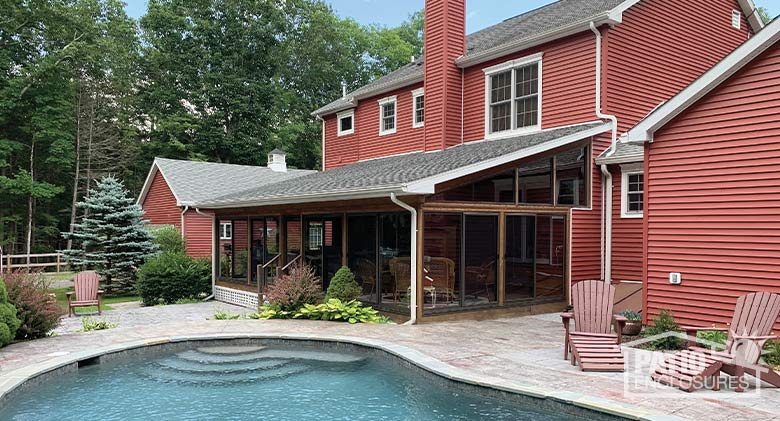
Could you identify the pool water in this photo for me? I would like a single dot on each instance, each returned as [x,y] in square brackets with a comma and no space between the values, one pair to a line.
[254,382]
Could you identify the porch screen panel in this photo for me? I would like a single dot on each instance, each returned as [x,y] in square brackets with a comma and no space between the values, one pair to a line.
[395,251]
[293,238]
[258,246]
[442,258]
[240,250]
[495,189]
[362,253]
[481,259]
[331,248]
[519,257]
[550,255]
[535,182]
[571,175]
[271,246]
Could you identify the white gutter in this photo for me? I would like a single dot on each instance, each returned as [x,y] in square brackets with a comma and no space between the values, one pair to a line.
[413,258]
[214,257]
[186,208]
[599,114]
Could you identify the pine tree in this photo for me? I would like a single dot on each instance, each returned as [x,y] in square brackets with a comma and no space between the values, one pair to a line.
[112,236]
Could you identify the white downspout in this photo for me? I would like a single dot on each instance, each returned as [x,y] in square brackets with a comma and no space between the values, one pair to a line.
[413,258]
[186,208]
[214,264]
[606,196]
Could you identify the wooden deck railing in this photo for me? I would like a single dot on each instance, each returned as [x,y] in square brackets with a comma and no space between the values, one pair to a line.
[9,262]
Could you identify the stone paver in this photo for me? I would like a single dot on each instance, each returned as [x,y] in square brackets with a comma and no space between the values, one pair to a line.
[525,350]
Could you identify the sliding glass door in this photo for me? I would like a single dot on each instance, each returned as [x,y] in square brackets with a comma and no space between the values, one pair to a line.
[322,246]
[534,257]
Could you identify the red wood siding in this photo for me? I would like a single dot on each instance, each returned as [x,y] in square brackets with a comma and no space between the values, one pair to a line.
[445,41]
[626,237]
[714,198]
[160,204]
[660,48]
[568,85]
[366,143]
[197,231]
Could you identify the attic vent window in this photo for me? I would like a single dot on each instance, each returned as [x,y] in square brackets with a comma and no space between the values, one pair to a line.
[736,19]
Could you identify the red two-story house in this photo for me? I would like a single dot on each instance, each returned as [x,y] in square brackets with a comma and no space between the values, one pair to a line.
[465,184]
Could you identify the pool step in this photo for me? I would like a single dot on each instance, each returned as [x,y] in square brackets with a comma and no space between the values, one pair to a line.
[230,350]
[179,364]
[205,358]
[217,379]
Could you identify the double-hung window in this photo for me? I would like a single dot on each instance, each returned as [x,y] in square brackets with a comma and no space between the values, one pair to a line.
[514,96]
[633,192]
[387,115]
[346,122]
[225,230]
[418,108]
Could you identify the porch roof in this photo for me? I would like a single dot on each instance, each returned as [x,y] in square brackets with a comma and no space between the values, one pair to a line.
[409,174]
[624,153]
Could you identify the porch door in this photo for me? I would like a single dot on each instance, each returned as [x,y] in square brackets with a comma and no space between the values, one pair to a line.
[322,246]
[265,246]
[535,257]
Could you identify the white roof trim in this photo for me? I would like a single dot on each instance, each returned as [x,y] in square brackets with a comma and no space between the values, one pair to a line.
[739,58]
[148,184]
[751,11]
[428,185]
[368,193]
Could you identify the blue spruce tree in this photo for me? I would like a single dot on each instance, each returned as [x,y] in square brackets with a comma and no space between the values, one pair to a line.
[112,238]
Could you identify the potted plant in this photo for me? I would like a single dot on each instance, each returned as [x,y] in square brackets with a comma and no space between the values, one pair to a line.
[634,324]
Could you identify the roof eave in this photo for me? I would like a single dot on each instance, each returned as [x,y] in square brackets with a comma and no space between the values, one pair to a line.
[624,159]
[612,17]
[353,102]
[753,17]
[311,198]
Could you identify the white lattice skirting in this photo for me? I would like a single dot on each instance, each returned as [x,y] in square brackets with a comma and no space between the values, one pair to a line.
[234,296]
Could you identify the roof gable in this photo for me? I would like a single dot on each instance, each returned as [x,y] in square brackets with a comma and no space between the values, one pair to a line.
[726,68]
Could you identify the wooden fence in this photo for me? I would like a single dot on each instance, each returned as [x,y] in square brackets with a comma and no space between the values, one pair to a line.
[10,262]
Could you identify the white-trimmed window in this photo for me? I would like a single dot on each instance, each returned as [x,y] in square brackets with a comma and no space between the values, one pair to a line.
[388,111]
[418,108]
[346,122]
[632,203]
[225,230]
[513,98]
[736,19]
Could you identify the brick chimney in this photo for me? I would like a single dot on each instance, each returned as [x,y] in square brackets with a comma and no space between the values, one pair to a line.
[445,41]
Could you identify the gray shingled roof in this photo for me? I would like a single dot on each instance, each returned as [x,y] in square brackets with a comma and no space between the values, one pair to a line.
[194,182]
[512,30]
[624,154]
[395,172]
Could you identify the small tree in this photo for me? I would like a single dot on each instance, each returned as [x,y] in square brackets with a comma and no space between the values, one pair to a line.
[343,286]
[112,236]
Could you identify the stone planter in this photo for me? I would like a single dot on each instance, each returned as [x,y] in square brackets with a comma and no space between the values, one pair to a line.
[632,328]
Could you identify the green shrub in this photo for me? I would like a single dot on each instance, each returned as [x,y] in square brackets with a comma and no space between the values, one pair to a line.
[169,240]
[334,310]
[36,307]
[88,324]
[9,323]
[772,357]
[291,291]
[662,324]
[169,277]
[712,339]
[632,315]
[225,315]
[343,286]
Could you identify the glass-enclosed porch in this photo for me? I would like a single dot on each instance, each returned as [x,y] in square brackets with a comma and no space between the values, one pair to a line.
[492,240]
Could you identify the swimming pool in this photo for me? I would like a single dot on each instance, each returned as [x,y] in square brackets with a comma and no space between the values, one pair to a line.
[258,381]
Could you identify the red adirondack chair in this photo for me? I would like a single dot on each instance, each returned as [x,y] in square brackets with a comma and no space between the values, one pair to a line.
[87,290]
[750,329]
[592,343]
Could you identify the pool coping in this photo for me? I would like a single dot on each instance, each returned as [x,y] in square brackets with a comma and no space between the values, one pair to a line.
[15,378]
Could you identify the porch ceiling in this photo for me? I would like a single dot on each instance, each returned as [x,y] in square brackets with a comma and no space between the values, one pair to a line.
[410,174]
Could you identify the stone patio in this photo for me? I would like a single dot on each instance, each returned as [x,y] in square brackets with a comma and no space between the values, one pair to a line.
[526,351]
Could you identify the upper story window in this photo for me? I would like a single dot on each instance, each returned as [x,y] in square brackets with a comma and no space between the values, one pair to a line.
[513,96]
[632,192]
[346,122]
[418,108]
[225,230]
[387,115]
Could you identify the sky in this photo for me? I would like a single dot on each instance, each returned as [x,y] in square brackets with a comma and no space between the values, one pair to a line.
[479,13]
